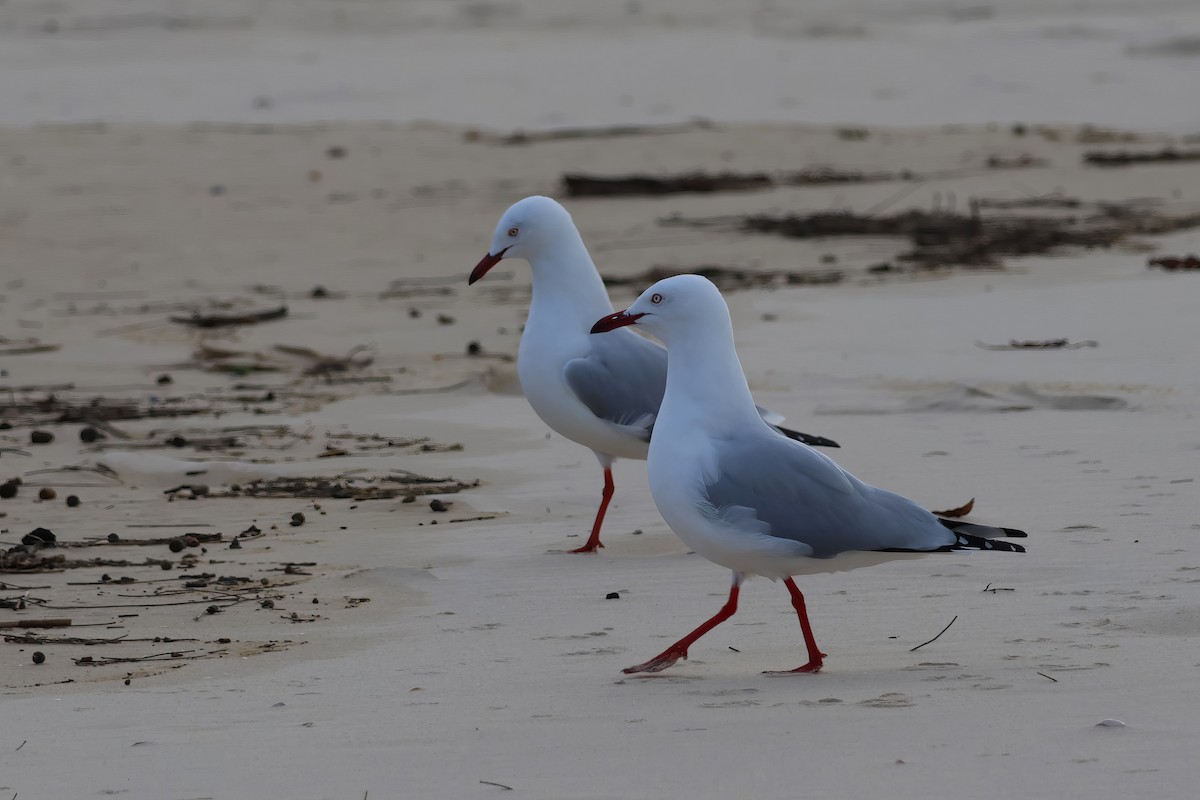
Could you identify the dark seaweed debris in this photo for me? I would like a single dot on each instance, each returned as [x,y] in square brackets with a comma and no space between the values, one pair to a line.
[940,238]
[401,484]
[1124,158]
[580,184]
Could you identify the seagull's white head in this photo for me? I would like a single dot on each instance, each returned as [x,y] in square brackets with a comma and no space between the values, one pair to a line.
[680,306]
[527,229]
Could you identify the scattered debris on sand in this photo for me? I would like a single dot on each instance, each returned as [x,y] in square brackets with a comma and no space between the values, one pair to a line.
[398,483]
[727,278]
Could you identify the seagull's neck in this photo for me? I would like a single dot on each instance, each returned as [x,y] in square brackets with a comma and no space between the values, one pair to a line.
[705,382]
[566,285]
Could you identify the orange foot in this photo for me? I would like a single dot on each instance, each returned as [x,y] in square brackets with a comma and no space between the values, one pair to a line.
[660,661]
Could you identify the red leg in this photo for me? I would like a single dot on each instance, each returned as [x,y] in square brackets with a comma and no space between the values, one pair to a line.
[815,656]
[594,540]
[679,650]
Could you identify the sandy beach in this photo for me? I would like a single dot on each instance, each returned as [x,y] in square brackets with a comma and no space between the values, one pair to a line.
[381,648]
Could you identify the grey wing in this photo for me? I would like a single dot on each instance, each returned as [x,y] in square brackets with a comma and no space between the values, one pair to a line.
[802,495]
[622,380]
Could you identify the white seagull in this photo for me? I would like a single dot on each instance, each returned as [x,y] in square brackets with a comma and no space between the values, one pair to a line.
[750,500]
[602,392]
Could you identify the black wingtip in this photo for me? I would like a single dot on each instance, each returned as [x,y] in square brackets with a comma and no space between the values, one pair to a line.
[965,541]
[807,438]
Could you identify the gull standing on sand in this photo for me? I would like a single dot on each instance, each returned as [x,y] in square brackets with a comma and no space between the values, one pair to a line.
[747,499]
[602,392]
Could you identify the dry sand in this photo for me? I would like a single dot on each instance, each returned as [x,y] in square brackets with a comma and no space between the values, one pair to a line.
[485,654]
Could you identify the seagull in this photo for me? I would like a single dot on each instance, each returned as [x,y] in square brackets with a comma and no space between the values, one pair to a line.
[747,499]
[602,392]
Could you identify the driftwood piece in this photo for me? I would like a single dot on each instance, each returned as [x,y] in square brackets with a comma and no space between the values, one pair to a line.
[198,320]
[35,623]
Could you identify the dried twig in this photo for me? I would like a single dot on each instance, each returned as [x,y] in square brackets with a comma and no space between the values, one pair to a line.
[934,639]
[493,783]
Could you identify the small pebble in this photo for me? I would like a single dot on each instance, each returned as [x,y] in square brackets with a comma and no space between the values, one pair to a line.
[474,348]
[113,538]
[235,545]
[105,578]
[612,596]
[164,380]
[176,545]
[177,441]
[46,493]
[38,656]
[213,610]
[414,312]
[336,152]
[8,489]
[445,319]
[1110,723]
[297,520]
[72,500]
[319,292]
[89,435]
[438,505]
[127,681]
[267,604]
[41,437]
[166,565]
[191,541]
[315,601]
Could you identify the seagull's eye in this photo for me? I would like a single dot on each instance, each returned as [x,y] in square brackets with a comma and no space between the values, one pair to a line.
[513,231]
[656,298]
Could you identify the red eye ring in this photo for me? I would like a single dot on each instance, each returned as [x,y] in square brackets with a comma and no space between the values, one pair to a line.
[513,231]
[656,298]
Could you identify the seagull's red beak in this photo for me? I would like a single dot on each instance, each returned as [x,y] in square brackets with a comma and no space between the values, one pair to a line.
[485,263]
[614,321]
